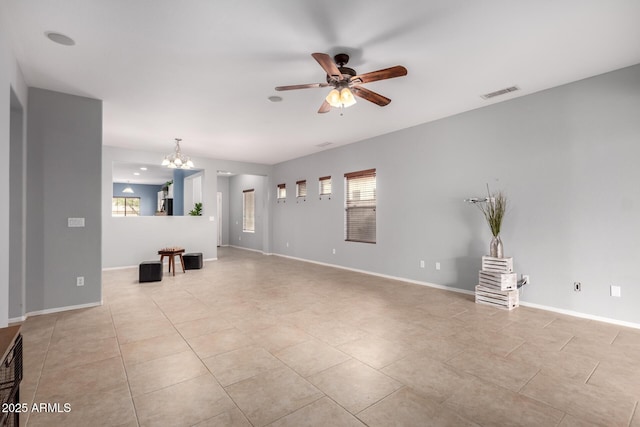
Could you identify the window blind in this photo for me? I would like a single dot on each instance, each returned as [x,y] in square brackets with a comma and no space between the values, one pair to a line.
[301,188]
[325,185]
[282,191]
[248,210]
[360,206]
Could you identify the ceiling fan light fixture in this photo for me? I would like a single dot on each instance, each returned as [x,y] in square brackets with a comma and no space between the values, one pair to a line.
[346,97]
[333,98]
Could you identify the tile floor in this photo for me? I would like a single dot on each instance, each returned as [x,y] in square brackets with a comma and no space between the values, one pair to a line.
[254,340]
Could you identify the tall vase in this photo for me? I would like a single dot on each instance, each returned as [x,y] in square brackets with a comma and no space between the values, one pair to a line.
[495,247]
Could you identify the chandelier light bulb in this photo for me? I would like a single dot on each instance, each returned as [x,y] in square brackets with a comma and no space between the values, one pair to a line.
[333,98]
[346,97]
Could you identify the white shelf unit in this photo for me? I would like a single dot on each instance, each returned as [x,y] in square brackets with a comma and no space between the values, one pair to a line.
[497,283]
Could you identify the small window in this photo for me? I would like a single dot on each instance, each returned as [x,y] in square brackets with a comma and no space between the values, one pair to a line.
[360,206]
[325,185]
[248,211]
[125,206]
[282,192]
[301,188]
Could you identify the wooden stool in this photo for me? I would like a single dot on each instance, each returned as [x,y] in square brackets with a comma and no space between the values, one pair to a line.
[172,253]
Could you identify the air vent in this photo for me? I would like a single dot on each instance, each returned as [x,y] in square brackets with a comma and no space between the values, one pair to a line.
[500,92]
[324,144]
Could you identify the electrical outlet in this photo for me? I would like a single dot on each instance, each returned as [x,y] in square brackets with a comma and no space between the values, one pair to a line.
[577,286]
[80,281]
[287,244]
[334,251]
[615,291]
[437,266]
[421,263]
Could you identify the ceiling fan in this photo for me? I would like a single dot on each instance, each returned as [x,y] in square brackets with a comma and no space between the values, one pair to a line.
[346,82]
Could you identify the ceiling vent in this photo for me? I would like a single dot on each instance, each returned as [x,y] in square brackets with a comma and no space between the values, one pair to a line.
[500,92]
[323,144]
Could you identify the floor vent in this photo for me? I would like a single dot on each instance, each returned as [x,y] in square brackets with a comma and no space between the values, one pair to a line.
[500,92]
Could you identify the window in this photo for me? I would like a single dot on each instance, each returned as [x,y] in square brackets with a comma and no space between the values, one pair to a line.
[282,192]
[301,188]
[360,209]
[325,185]
[125,206]
[248,211]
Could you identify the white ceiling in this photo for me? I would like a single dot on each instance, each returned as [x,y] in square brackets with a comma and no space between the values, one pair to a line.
[202,70]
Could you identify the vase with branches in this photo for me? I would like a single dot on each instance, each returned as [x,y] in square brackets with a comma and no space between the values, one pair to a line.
[493,210]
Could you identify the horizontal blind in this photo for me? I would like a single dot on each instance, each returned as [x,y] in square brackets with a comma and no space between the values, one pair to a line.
[360,210]
[248,210]
[301,188]
[325,185]
[282,191]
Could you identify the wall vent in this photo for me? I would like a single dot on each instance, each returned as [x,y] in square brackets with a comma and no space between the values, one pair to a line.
[499,92]
[324,144]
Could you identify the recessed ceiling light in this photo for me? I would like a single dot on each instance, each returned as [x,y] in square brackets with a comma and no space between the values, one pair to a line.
[136,173]
[275,98]
[59,38]
[143,168]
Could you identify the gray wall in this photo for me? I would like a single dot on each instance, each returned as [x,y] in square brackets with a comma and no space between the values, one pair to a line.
[223,187]
[11,80]
[17,232]
[566,158]
[64,142]
[237,237]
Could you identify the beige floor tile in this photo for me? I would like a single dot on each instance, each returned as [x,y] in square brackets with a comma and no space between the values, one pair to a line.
[110,408]
[406,408]
[219,342]
[427,376]
[204,326]
[332,332]
[152,348]
[491,405]
[141,330]
[310,357]
[582,400]
[238,365]
[617,377]
[271,395]
[67,354]
[375,352]
[275,338]
[322,412]
[183,404]
[239,311]
[165,371]
[354,385]
[555,363]
[100,376]
[493,368]
[231,418]
[571,421]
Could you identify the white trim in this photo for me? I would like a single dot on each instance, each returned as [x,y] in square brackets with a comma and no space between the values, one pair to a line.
[464,291]
[119,268]
[67,308]
[246,249]
[581,315]
[17,319]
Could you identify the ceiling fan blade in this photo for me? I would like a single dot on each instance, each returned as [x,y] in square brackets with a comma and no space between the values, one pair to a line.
[370,95]
[325,107]
[387,73]
[328,65]
[305,86]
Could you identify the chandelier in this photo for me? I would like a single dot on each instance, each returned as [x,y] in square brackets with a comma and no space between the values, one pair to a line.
[177,160]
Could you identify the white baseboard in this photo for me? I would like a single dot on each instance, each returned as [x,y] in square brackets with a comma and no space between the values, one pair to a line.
[247,249]
[54,310]
[464,291]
